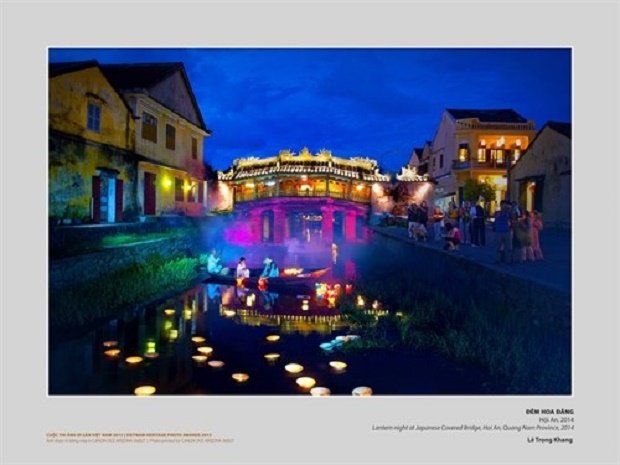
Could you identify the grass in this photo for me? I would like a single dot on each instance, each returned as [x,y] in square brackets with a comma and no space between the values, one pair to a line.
[97,299]
[522,352]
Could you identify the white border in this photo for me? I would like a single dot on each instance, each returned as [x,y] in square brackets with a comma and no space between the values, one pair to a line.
[286,430]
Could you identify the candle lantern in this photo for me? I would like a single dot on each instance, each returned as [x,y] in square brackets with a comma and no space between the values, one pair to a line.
[240,377]
[305,382]
[294,368]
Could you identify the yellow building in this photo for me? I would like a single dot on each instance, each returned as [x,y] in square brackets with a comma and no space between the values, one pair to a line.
[168,137]
[480,145]
[92,168]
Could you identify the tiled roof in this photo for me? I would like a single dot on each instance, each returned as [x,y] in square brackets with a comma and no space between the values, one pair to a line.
[139,75]
[248,173]
[488,116]
[60,68]
[563,128]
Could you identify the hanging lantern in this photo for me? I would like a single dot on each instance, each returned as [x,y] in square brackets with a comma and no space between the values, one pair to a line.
[320,392]
[198,339]
[228,313]
[151,355]
[169,311]
[294,368]
[362,391]
[144,390]
[112,352]
[239,282]
[174,334]
[272,357]
[375,305]
[133,360]
[273,338]
[110,343]
[360,301]
[262,284]
[216,363]
[240,377]
[348,289]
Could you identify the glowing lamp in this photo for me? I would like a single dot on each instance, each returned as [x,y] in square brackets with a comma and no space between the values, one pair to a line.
[338,366]
[198,339]
[262,284]
[144,390]
[359,187]
[304,305]
[375,305]
[305,382]
[362,391]
[292,271]
[360,301]
[167,182]
[240,377]
[294,368]
[249,184]
[174,334]
[250,300]
[133,360]
[239,281]
[216,363]
[272,357]
[205,350]
[273,338]
[348,289]
[187,314]
[110,343]
[200,359]
[169,311]
[320,392]
[229,313]
[112,352]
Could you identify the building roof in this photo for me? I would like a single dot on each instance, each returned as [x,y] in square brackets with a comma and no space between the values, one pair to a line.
[488,116]
[60,68]
[135,76]
[563,128]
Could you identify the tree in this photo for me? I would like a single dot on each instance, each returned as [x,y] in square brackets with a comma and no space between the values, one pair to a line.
[473,190]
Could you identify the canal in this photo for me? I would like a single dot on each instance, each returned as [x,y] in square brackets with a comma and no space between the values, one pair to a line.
[176,344]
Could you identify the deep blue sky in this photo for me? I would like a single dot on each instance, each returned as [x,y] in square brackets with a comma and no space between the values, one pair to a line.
[375,102]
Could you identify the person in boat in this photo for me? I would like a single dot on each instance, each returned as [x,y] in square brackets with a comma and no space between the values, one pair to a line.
[271,269]
[242,269]
[214,265]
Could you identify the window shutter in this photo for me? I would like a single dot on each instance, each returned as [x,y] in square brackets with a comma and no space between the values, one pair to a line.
[118,213]
[96,194]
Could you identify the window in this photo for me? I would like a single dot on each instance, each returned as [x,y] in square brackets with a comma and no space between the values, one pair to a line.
[178,190]
[200,192]
[463,153]
[149,127]
[441,161]
[482,155]
[171,134]
[93,121]
[194,148]
[499,156]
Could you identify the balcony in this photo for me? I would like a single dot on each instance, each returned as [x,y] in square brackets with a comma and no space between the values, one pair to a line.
[474,164]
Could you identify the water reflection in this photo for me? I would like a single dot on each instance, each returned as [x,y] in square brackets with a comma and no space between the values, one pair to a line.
[178,340]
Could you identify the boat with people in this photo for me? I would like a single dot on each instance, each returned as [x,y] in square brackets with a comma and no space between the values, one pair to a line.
[288,277]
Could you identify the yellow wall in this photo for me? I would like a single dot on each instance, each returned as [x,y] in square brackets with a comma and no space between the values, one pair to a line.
[69,95]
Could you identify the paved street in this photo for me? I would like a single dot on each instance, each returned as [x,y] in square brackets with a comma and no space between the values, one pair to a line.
[555,270]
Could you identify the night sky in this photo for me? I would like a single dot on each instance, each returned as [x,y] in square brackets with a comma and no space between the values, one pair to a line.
[376,102]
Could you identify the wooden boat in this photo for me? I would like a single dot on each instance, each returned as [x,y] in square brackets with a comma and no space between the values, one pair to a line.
[289,277]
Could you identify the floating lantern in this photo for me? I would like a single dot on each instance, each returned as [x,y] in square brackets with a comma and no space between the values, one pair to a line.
[294,368]
[216,363]
[360,301]
[200,359]
[133,360]
[375,305]
[320,392]
[110,343]
[338,366]
[304,305]
[198,339]
[305,382]
[240,377]
[144,390]
[187,314]
[362,391]
[112,352]
[205,350]
[169,311]
[174,334]
[273,338]
[272,357]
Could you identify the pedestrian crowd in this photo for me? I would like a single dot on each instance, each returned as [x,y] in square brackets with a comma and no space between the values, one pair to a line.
[516,231]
